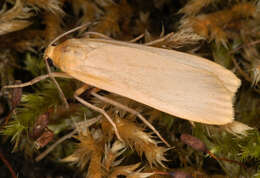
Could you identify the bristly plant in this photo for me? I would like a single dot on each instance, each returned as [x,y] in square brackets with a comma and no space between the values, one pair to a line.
[27,27]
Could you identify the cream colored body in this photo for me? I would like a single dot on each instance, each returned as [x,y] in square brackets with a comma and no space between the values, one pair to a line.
[179,84]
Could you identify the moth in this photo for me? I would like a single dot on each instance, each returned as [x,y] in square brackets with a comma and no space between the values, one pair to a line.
[180,84]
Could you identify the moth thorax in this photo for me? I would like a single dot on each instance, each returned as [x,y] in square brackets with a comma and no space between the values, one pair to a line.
[49,52]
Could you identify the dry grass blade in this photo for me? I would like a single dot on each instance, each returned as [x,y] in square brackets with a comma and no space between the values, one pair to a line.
[53,6]
[14,25]
[13,19]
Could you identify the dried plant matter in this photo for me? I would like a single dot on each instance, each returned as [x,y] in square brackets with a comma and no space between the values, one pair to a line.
[40,125]
[226,32]
[142,142]
[183,37]
[89,9]
[193,7]
[14,19]
[114,15]
[53,6]
[217,25]
[234,28]
[53,26]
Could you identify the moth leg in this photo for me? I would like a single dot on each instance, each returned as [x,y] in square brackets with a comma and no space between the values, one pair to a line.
[95,108]
[37,79]
[62,96]
[121,106]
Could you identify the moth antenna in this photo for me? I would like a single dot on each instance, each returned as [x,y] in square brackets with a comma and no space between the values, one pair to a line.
[67,32]
[62,96]
[98,34]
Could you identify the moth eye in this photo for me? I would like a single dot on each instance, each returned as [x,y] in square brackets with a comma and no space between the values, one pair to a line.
[50,62]
[54,44]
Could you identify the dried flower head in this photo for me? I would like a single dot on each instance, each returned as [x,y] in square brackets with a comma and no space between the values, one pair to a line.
[140,141]
[237,128]
[256,72]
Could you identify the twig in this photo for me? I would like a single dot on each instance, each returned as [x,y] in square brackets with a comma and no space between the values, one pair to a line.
[46,152]
[8,117]
[245,76]
[240,70]
[227,160]
[8,165]
[245,45]
[87,123]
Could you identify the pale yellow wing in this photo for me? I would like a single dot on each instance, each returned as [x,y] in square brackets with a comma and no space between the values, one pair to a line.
[197,91]
[228,78]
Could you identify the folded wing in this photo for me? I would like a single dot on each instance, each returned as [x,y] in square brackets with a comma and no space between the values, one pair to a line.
[200,91]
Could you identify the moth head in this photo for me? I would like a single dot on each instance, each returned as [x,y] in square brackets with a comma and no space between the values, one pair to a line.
[50,54]
[57,54]
[67,54]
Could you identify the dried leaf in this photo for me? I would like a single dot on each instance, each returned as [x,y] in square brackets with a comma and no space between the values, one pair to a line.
[44,139]
[40,125]
[16,95]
